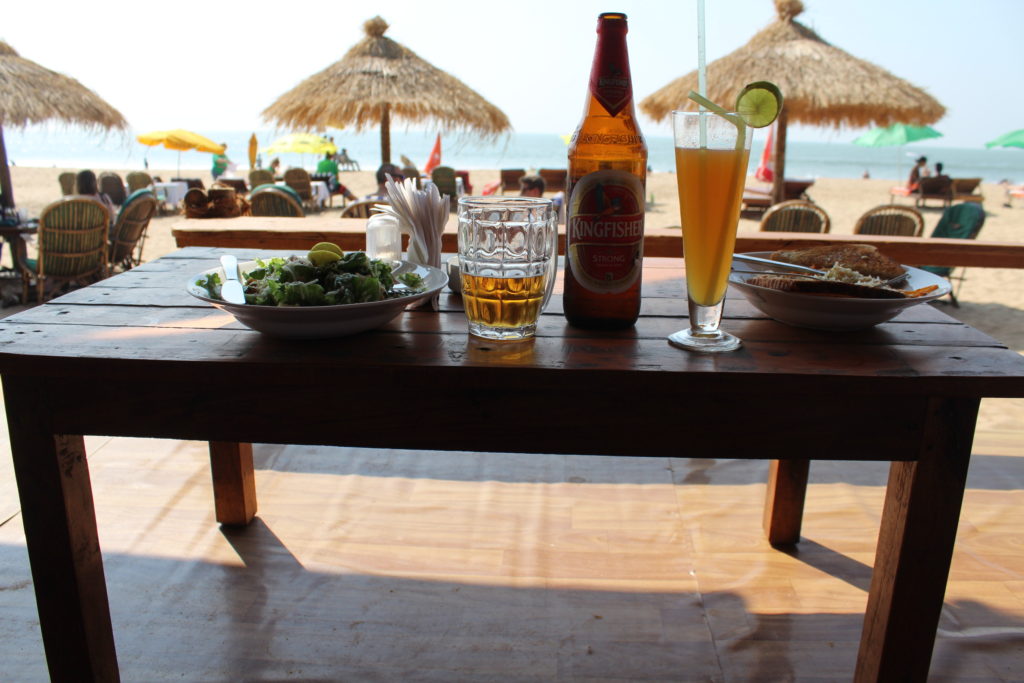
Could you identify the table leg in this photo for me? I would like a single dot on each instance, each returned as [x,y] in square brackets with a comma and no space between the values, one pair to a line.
[784,500]
[63,545]
[234,482]
[915,547]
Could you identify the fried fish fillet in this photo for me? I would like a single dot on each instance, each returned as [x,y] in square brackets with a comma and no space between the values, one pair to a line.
[797,284]
[863,258]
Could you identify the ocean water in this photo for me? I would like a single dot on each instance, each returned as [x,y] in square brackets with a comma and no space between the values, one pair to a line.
[71,148]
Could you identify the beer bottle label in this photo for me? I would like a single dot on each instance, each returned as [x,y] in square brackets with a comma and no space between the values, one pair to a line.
[610,83]
[605,231]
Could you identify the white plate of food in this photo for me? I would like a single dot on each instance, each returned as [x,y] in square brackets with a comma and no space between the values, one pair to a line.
[834,310]
[318,320]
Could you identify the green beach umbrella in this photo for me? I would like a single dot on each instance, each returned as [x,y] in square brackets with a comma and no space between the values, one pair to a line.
[1011,139]
[895,135]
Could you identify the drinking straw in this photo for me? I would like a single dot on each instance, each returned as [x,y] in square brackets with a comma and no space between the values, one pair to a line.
[702,70]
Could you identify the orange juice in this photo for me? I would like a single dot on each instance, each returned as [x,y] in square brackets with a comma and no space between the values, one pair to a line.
[710,189]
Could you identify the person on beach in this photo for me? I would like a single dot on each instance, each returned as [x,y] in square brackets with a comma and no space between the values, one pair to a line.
[85,184]
[938,170]
[533,186]
[220,162]
[329,167]
[919,171]
[275,167]
[383,172]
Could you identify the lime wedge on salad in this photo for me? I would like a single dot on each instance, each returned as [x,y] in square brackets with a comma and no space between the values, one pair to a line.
[321,257]
[759,104]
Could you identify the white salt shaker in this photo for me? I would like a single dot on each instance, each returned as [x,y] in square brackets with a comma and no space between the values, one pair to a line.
[383,240]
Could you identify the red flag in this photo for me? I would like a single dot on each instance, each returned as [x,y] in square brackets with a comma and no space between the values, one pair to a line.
[435,157]
[766,169]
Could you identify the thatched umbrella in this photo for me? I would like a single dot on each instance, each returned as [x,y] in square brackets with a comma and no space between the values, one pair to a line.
[32,94]
[822,84]
[379,79]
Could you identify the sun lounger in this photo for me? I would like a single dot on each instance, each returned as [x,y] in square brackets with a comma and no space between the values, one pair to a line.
[967,190]
[939,188]
[760,198]
[510,179]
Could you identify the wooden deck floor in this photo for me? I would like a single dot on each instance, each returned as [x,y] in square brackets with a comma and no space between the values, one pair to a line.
[391,565]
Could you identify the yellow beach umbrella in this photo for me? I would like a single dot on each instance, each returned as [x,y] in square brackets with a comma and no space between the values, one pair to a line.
[253,144]
[181,140]
[301,143]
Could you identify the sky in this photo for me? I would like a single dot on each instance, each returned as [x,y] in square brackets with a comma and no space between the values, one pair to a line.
[216,66]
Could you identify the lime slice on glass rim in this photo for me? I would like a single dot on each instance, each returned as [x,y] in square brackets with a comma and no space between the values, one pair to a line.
[759,104]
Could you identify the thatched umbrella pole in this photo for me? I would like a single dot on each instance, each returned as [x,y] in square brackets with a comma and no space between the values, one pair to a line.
[779,157]
[385,135]
[377,80]
[6,192]
[822,85]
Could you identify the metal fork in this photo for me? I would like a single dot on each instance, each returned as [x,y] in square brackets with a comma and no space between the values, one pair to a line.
[802,270]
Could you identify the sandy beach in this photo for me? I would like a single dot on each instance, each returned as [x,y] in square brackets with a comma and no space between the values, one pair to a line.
[991,299]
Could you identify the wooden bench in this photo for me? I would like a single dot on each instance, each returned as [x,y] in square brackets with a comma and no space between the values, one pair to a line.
[939,188]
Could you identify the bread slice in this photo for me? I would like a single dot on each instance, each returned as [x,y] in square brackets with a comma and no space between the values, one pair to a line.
[800,285]
[863,258]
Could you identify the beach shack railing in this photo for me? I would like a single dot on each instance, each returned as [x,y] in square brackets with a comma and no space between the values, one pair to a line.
[350,234]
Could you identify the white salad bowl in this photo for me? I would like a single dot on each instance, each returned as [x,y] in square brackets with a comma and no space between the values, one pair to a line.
[830,313]
[321,322]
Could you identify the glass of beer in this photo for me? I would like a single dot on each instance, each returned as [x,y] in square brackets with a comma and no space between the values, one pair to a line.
[508,248]
[711,168]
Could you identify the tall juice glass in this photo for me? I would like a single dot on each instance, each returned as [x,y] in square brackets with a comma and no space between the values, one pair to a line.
[711,168]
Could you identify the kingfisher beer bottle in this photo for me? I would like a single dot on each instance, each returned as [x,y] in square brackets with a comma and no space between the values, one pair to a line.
[605,209]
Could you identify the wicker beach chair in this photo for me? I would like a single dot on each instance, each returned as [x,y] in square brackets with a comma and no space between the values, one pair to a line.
[361,209]
[960,221]
[138,180]
[298,179]
[128,235]
[273,200]
[236,184]
[796,215]
[67,183]
[112,186]
[444,178]
[413,172]
[72,241]
[260,176]
[890,219]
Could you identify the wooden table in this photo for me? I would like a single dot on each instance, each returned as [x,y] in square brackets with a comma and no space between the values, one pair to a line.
[134,355]
[350,234]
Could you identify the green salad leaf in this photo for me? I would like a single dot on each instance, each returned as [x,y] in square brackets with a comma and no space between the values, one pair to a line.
[296,281]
